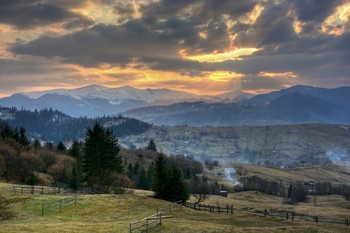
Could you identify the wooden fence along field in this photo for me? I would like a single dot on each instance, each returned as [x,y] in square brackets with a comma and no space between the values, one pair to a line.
[296,216]
[36,190]
[155,220]
[228,209]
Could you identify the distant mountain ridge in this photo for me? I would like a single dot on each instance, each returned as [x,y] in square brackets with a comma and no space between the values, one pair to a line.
[97,100]
[295,105]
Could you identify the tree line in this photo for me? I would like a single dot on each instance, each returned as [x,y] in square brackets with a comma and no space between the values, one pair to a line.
[98,163]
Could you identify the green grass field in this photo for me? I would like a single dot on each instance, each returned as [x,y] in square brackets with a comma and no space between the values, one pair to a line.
[113,213]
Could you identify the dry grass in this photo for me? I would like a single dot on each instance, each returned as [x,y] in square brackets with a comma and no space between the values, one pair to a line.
[323,173]
[113,213]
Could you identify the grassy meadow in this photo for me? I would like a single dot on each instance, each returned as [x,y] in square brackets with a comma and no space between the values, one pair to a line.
[113,213]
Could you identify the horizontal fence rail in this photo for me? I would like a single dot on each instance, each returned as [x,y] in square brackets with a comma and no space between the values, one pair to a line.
[314,218]
[36,190]
[228,209]
[146,224]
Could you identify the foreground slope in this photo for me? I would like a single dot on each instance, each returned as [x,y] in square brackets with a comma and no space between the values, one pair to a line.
[113,213]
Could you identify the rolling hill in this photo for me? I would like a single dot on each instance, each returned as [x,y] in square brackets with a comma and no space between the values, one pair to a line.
[295,105]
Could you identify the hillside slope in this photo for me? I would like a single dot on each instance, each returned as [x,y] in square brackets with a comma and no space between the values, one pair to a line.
[280,145]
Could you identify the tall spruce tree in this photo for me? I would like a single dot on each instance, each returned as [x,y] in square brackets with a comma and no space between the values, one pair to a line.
[159,176]
[100,158]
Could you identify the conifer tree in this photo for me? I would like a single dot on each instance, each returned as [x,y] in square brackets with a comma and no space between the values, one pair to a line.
[159,176]
[143,181]
[61,147]
[75,150]
[174,187]
[152,146]
[23,138]
[100,157]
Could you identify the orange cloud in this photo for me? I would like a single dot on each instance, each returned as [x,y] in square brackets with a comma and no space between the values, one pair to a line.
[336,23]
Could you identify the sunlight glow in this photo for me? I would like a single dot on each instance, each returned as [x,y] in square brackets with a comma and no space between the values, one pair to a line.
[220,57]
[278,75]
[336,23]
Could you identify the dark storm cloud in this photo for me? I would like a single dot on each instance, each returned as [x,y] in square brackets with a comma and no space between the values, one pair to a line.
[315,10]
[25,14]
[273,27]
[165,27]
[117,45]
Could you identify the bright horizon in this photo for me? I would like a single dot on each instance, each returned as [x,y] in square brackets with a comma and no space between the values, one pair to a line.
[201,46]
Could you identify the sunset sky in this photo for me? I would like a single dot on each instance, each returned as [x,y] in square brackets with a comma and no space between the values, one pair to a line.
[198,46]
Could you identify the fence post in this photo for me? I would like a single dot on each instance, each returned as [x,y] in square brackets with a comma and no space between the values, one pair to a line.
[32,191]
[130,229]
[147,225]
[42,208]
[316,219]
[287,215]
[14,189]
[42,191]
[160,218]
[21,189]
[157,210]
[346,222]
[231,209]
[292,216]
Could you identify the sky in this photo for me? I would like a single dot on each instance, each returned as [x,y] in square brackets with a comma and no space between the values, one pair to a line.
[198,46]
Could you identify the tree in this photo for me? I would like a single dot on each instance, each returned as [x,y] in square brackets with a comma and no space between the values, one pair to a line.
[159,176]
[152,146]
[142,180]
[174,187]
[36,144]
[76,177]
[75,150]
[6,132]
[199,188]
[23,138]
[100,158]
[61,147]
[168,184]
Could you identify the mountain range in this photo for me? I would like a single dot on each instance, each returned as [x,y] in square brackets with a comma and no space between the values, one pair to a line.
[96,100]
[294,105]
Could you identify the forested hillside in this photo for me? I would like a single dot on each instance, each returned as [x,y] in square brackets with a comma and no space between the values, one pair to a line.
[53,125]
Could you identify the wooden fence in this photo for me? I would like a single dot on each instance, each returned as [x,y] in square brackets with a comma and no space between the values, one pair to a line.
[228,209]
[169,208]
[155,220]
[51,206]
[297,216]
[146,224]
[36,190]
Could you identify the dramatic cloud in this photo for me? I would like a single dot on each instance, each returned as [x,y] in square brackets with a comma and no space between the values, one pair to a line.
[263,45]
[25,14]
